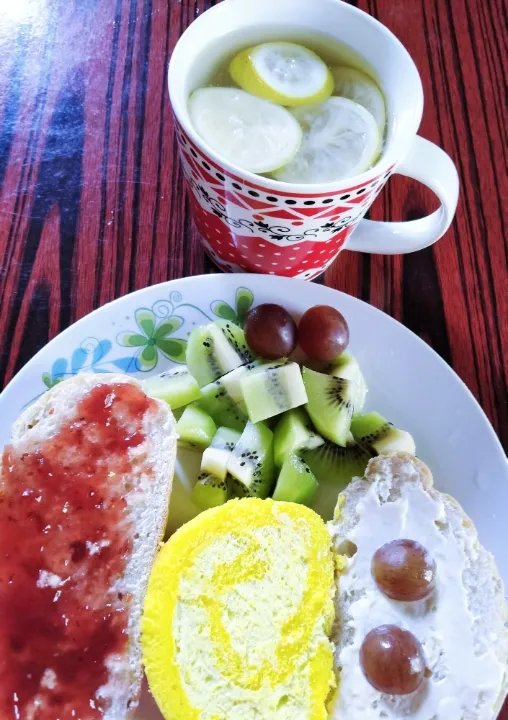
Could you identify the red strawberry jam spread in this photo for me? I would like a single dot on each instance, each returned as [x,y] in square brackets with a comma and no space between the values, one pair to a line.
[65,535]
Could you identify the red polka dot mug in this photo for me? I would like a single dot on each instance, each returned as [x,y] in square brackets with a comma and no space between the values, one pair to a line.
[256,224]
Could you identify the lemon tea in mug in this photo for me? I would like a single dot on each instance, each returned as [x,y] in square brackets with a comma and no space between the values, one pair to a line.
[290,117]
[298,109]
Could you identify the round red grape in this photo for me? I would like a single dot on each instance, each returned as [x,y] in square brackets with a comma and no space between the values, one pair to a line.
[403,570]
[323,333]
[270,331]
[392,660]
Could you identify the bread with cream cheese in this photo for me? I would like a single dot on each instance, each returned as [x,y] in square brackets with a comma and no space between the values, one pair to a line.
[461,626]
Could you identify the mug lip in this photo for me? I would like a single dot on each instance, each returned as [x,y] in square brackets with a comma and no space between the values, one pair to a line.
[385,163]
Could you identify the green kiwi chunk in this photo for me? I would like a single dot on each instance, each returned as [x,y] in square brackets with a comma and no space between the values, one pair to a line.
[296,481]
[210,354]
[251,462]
[195,429]
[379,436]
[233,382]
[238,490]
[293,432]
[236,338]
[334,467]
[330,405]
[272,388]
[223,399]
[346,366]
[176,387]
[210,491]
[216,456]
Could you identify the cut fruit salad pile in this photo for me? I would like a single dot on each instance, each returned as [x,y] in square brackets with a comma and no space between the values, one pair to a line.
[266,425]
[282,119]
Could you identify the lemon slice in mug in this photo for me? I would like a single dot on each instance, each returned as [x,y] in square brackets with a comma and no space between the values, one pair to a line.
[252,133]
[284,73]
[356,85]
[340,139]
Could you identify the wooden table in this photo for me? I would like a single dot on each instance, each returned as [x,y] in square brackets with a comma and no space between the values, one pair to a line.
[92,203]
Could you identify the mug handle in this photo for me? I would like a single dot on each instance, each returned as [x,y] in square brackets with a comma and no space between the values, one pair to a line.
[431,166]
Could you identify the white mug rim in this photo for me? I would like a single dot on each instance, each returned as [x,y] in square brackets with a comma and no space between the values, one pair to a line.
[384,164]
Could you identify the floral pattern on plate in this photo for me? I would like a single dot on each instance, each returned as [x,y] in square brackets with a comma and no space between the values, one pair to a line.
[156,337]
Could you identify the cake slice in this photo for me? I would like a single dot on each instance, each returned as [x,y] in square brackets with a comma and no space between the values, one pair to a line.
[238,614]
[84,492]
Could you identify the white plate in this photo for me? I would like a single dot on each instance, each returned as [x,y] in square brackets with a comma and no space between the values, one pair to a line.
[408,382]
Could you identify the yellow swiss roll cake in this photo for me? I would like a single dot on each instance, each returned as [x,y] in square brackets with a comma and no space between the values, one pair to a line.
[238,615]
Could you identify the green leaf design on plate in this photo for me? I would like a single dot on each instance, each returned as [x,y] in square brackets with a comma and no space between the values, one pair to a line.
[173,348]
[168,327]
[132,340]
[48,382]
[151,337]
[146,321]
[148,357]
[244,300]
[224,311]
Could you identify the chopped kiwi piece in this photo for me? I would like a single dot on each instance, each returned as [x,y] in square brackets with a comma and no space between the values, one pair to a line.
[223,399]
[293,432]
[210,355]
[273,388]
[195,429]
[334,467]
[296,481]
[251,462]
[210,491]
[236,338]
[176,387]
[379,436]
[178,412]
[238,490]
[330,405]
[346,366]
[216,457]
[220,405]
[233,381]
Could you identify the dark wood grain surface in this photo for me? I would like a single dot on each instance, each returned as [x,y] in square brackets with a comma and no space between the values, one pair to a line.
[92,203]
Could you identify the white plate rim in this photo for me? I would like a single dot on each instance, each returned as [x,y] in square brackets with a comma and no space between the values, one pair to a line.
[147,709]
[282,288]
[239,276]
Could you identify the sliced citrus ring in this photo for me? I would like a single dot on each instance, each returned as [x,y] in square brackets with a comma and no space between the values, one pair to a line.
[250,132]
[340,139]
[284,73]
[356,85]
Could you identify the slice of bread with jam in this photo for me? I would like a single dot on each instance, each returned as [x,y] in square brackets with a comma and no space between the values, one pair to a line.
[84,492]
